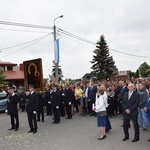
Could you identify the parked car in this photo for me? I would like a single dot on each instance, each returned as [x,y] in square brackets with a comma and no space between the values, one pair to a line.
[3,101]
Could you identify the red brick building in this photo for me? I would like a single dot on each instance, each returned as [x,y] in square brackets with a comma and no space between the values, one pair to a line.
[14,73]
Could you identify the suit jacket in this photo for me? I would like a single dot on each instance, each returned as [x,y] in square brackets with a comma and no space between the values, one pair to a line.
[55,98]
[47,96]
[132,103]
[32,103]
[12,103]
[148,107]
[123,90]
[92,93]
[68,95]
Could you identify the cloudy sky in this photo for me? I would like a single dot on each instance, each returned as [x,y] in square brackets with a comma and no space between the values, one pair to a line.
[124,23]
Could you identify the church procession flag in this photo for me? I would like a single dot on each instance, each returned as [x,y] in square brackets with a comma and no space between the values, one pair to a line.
[57,52]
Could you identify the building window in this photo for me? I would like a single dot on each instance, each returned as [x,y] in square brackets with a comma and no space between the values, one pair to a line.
[2,68]
[9,68]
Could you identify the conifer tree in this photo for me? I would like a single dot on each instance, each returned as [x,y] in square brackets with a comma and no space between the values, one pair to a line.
[2,78]
[103,65]
[59,72]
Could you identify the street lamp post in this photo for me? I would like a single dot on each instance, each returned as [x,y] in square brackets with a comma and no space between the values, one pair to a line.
[55,61]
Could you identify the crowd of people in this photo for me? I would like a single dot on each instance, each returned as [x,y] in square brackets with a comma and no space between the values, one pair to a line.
[101,99]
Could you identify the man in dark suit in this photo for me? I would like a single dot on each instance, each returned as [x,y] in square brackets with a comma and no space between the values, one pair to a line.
[91,97]
[48,100]
[55,96]
[68,101]
[13,101]
[116,98]
[130,106]
[31,109]
[40,108]
[124,89]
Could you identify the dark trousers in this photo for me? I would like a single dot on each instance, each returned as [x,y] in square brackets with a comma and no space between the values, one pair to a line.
[76,105]
[56,114]
[91,104]
[62,109]
[22,105]
[110,109]
[68,110]
[89,107]
[32,121]
[84,107]
[13,117]
[120,107]
[40,111]
[49,109]
[126,122]
[116,105]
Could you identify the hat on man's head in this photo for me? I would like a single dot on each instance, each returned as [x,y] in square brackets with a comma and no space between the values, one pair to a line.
[12,88]
[31,86]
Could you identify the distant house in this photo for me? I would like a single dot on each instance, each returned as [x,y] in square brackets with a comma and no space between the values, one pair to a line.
[87,76]
[123,74]
[119,75]
[14,73]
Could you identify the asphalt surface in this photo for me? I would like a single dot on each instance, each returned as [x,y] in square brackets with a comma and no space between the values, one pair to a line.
[79,133]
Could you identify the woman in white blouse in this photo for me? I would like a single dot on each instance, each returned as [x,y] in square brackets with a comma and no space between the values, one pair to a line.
[100,107]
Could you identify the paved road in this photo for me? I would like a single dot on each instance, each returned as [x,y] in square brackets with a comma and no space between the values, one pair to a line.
[80,133]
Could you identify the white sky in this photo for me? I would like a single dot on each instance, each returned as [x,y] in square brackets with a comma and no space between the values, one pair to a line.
[124,23]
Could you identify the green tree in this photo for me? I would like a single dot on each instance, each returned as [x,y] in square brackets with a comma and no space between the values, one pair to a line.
[144,70]
[103,65]
[2,78]
[137,73]
[132,74]
[59,72]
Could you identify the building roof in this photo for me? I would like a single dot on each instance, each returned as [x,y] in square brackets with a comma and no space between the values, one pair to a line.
[2,63]
[14,75]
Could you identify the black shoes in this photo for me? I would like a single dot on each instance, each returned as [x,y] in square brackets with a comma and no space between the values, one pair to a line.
[102,138]
[12,128]
[125,138]
[30,131]
[16,129]
[135,139]
[56,122]
[34,131]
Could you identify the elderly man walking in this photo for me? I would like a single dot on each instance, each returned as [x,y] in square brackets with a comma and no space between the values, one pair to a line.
[130,107]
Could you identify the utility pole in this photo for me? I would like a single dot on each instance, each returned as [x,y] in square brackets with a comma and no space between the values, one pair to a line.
[55,60]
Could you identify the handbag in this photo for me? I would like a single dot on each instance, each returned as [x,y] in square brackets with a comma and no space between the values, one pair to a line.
[102,113]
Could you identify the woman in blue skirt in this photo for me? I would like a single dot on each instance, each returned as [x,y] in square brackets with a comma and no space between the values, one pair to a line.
[100,109]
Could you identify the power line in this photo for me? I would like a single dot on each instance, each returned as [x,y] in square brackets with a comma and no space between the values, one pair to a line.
[25,42]
[117,51]
[76,37]
[24,47]
[77,40]
[68,34]
[92,43]
[25,25]
[23,30]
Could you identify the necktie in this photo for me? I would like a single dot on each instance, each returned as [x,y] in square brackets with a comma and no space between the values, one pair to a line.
[129,95]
